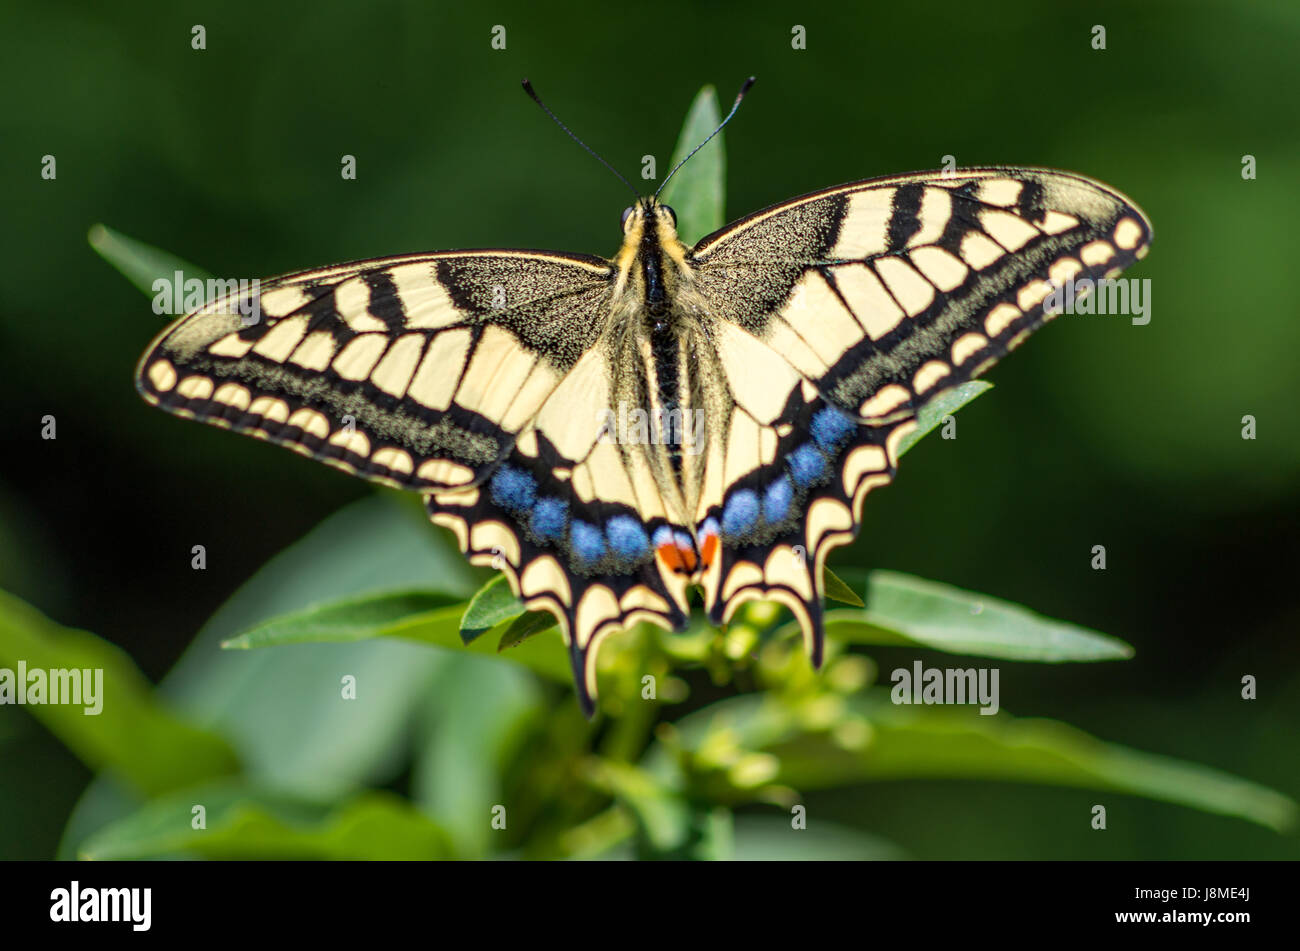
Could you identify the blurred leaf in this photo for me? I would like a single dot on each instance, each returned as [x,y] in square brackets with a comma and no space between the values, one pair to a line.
[838,590]
[140,263]
[492,604]
[241,823]
[133,735]
[476,717]
[696,192]
[662,816]
[524,627]
[906,610]
[945,404]
[282,709]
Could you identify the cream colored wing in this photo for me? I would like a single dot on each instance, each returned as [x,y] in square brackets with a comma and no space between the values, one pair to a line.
[860,304]
[416,371]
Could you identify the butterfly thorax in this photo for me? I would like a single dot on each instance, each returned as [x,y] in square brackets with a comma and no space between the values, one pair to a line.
[658,343]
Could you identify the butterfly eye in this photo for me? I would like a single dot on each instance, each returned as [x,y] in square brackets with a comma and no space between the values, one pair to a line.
[627,213]
[671,214]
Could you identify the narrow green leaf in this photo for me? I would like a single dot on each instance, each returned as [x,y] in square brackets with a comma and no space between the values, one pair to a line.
[891,741]
[524,627]
[838,590]
[932,741]
[140,263]
[242,823]
[389,616]
[132,734]
[945,404]
[492,604]
[351,619]
[903,609]
[696,192]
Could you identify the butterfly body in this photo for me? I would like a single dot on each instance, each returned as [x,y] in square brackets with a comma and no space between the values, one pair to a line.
[611,433]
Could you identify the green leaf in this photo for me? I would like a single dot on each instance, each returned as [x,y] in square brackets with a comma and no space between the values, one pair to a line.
[931,741]
[492,604]
[475,721]
[873,739]
[838,590]
[426,617]
[133,735]
[906,610]
[140,263]
[241,823]
[320,745]
[945,404]
[352,619]
[524,627]
[696,192]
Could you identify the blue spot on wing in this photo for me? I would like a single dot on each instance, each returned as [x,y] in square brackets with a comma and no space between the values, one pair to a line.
[740,513]
[587,541]
[549,517]
[776,500]
[830,428]
[807,465]
[627,536]
[513,489]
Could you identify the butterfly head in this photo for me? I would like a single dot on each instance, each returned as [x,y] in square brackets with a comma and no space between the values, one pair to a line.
[649,210]
[651,253]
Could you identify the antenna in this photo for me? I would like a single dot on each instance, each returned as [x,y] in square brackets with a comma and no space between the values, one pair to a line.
[739,96]
[528,88]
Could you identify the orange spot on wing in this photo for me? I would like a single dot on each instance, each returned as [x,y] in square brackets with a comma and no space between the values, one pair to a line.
[709,550]
[671,556]
[677,558]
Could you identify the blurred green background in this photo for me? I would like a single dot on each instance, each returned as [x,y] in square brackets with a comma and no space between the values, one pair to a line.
[1098,432]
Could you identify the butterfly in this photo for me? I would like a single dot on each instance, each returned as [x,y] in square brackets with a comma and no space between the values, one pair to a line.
[614,433]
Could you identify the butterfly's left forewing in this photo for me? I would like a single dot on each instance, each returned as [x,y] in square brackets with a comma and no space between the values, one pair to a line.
[876,297]
[418,371]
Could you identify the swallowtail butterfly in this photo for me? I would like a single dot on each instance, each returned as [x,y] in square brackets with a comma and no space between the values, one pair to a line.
[781,359]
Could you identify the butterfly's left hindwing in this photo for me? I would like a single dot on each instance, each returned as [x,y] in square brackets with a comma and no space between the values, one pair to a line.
[877,297]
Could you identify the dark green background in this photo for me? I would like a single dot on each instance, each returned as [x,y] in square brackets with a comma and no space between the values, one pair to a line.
[1098,432]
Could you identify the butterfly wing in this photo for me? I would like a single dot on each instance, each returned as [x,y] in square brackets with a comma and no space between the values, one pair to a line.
[866,301]
[568,516]
[417,372]
[475,378]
